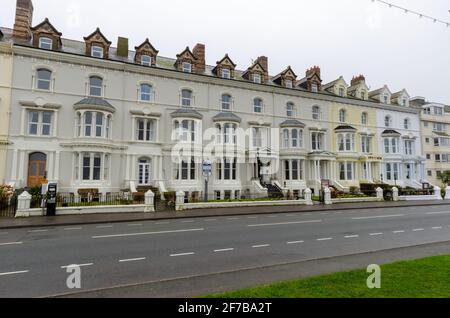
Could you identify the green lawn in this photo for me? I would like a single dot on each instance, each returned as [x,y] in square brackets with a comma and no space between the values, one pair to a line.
[429,277]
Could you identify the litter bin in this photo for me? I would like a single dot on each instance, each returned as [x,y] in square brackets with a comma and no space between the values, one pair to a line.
[51,199]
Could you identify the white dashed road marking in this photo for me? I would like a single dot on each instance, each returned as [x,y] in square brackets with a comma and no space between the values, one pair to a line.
[296,242]
[325,239]
[437,228]
[37,231]
[135,224]
[104,227]
[147,233]
[418,230]
[284,223]
[431,213]
[182,254]
[351,236]
[79,265]
[11,243]
[260,246]
[224,250]
[398,232]
[378,217]
[13,273]
[376,234]
[72,228]
[132,260]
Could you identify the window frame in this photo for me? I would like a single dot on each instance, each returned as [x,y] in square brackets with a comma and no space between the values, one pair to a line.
[49,44]
[48,81]
[95,49]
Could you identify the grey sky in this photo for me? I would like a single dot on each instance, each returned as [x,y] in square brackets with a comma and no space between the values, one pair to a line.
[343,37]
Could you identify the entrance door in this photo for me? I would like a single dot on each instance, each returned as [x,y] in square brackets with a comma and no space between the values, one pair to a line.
[37,165]
[144,171]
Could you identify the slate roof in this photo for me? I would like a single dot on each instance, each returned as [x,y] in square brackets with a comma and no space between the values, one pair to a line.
[187,112]
[227,116]
[292,123]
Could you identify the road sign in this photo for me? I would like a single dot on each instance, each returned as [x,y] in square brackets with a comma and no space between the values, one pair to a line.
[207,168]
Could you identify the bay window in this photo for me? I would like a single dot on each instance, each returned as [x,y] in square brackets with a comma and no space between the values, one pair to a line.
[185,170]
[392,171]
[346,142]
[391,145]
[226,169]
[93,124]
[185,130]
[293,138]
[293,170]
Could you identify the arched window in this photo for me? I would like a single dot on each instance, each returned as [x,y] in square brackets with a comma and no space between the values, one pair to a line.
[258,105]
[186,98]
[146,92]
[342,116]
[364,118]
[45,43]
[387,121]
[44,79]
[96,86]
[290,109]
[226,102]
[316,113]
[407,123]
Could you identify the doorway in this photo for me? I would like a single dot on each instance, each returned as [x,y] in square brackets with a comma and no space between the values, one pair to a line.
[37,169]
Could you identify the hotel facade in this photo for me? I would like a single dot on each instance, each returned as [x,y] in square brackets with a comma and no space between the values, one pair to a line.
[87,115]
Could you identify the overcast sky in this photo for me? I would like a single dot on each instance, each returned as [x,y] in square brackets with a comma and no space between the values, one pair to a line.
[343,37]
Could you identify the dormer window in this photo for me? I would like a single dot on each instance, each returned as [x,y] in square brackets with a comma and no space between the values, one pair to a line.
[289,84]
[385,98]
[146,60]
[257,78]
[314,88]
[45,43]
[341,91]
[404,101]
[226,73]
[187,67]
[363,95]
[97,51]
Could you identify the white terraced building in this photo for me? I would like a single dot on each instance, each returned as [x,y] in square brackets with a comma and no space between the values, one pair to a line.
[90,116]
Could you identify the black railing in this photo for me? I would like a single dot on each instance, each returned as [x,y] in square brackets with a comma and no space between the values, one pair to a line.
[68,200]
[8,206]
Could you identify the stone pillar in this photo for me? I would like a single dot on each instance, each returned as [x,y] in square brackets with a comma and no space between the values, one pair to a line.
[395,196]
[380,194]
[327,194]
[149,202]
[308,196]
[24,201]
[447,193]
[179,201]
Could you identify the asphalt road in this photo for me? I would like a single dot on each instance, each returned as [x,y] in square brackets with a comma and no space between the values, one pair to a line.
[33,261]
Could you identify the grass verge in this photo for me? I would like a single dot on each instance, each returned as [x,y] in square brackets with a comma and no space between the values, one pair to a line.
[423,278]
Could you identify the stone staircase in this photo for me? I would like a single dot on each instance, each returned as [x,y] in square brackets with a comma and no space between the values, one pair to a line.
[274,191]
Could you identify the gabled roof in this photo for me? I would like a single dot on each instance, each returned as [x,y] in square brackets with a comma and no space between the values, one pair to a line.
[398,94]
[148,44]
[285,72]
[97,31]
[292,123]
[331,84]
[379,91]
[46,22]
[188,51]
[256,65]
[227,116]
[226,57]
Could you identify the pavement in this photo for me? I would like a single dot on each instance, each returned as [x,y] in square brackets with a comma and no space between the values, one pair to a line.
[193,256]
[12,223]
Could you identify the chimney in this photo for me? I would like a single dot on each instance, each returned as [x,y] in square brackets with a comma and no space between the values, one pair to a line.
[23,20]
[357,79]
[122,47]
[313,70]
[264,62]
[199,53]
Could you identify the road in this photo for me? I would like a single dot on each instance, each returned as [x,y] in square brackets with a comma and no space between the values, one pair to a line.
[33,262]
